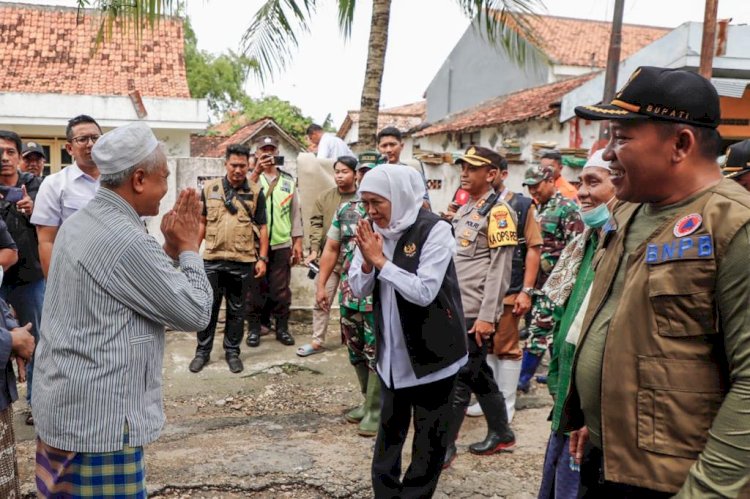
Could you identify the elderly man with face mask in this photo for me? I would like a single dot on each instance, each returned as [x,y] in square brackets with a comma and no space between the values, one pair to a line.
[111,290]
[568,289]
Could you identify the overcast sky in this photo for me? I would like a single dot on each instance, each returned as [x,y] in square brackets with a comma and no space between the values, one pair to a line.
[326,73]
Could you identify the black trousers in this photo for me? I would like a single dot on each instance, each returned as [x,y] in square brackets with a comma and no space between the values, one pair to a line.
[431,406]
[275,295]
[593,485]
[230,280]
[476,375]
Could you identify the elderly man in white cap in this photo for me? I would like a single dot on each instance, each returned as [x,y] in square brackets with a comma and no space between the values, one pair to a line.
[568,289]
[111,290]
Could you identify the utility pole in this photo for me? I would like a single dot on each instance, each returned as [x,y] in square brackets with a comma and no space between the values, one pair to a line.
[709,37]
[613,60]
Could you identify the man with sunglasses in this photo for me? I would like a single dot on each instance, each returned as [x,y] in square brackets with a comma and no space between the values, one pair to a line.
[67,191]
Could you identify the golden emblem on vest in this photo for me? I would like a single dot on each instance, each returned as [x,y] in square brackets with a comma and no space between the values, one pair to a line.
[410,249]
[501,231]
[464,243]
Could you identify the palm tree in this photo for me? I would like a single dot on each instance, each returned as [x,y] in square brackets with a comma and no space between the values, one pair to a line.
[273,34]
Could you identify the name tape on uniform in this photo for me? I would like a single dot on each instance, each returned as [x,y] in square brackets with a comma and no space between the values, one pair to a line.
[685,248]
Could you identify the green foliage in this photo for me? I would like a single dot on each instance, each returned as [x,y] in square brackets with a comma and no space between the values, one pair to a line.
[219,79]
[287,116]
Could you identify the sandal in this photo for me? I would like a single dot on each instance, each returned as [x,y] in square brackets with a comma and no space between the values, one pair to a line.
[307,350]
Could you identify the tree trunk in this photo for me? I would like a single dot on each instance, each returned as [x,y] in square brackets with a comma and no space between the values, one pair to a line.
[370,103]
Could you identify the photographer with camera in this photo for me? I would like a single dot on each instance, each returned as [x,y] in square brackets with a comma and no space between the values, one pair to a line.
[236,252]
[285,238]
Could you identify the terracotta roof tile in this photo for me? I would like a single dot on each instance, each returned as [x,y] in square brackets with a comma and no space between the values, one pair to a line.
[403,117]
[585,42]
[532,103]
[48,49]
[215,145]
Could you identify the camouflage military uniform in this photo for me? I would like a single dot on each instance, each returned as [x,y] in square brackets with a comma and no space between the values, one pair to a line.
[357,318]
[560,222]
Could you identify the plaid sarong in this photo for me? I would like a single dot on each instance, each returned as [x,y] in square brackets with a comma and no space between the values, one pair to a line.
[63,474]
[9,485]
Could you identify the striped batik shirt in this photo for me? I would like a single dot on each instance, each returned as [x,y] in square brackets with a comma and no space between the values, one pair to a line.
[110,292]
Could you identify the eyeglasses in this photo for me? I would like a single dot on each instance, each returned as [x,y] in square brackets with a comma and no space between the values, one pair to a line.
[84,139]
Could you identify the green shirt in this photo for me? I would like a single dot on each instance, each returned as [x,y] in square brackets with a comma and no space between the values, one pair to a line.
[561,363]
[723,467]
[724,464]
[588,373]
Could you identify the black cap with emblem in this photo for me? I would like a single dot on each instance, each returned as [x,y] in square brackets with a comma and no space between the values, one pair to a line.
[737,162]
[661,94]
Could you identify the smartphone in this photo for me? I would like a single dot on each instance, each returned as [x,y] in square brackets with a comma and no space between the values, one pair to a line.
[279,160]
[11,194]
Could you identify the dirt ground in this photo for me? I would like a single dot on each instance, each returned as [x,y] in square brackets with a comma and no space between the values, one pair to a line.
[276,431]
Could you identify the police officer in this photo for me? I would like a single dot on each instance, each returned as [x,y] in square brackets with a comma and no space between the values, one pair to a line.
[285,239]
[661,373]
[560,222]
[234,219]
[737,163]
[485,229]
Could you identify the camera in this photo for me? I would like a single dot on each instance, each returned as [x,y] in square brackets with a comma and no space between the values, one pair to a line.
[313,270]
[278,160]
[11,194]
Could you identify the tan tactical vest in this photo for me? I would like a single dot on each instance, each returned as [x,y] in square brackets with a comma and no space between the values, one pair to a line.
[664,373]
[230,237]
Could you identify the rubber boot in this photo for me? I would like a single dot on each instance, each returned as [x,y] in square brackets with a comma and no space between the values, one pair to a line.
[499,435]
[461,398]
[528,368]
[474,410]
[369,425]
[356,414]
[507,373]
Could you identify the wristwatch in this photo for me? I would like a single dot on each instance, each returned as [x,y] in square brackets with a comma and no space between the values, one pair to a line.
[529,291]
[263,259]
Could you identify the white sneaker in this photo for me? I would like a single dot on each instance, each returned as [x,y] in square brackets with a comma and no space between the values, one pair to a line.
[475,410]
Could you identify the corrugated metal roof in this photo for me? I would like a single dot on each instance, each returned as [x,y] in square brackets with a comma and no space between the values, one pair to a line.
[730,87]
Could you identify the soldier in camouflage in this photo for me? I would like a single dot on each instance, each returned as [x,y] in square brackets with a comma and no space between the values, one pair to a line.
[560,221]
[357,319]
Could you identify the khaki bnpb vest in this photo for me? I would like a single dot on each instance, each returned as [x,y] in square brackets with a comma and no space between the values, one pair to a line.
[665,370]
[230,237]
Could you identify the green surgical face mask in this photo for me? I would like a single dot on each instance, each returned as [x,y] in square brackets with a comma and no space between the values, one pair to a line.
[596,217]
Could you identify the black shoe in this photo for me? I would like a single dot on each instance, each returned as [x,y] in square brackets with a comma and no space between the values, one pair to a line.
[196,365]
[235,364]
[285,338]
[253,339]
[282,332]
[450,455]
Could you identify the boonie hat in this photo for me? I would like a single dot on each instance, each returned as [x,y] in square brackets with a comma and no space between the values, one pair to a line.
[480,156]
[661,94]
[538,173]
[370,159]
[737,162]
[267,140]
[32,147]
